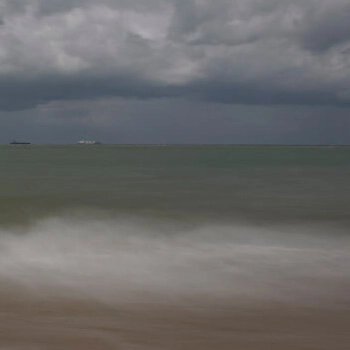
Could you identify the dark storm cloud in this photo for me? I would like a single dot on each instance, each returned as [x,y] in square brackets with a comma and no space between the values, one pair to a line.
[242,51]
[21,95]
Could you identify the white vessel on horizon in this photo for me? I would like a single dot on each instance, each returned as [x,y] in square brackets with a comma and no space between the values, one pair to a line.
[88,142]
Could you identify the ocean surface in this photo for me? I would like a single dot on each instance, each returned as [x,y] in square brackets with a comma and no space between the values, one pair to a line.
[174,247]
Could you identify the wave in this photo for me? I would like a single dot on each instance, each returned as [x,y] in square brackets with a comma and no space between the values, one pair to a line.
[113,259]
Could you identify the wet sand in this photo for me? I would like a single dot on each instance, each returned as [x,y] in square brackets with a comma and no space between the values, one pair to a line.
[36,325]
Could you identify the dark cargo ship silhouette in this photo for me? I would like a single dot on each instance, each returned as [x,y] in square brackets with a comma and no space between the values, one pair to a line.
[14,142]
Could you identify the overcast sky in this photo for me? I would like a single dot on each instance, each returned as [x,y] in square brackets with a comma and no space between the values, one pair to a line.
[175,71]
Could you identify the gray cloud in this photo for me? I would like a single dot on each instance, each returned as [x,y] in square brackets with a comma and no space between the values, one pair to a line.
[236,52]
[326,27]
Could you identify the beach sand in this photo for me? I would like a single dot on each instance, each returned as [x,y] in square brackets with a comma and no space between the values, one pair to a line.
[49,324]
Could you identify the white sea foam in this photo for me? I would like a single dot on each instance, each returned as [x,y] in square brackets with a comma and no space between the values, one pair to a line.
[113,259]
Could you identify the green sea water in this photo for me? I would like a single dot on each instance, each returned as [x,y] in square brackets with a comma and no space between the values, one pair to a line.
[113,223]
[180,182]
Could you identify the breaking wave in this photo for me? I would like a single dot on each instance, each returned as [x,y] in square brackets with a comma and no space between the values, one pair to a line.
[113,259]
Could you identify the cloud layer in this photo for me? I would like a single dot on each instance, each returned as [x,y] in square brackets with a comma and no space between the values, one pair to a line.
[231,51]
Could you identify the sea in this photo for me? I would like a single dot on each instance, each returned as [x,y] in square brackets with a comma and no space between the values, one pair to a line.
[174,247]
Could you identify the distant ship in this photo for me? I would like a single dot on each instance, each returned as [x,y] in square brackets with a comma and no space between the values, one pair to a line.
[88,142]
[14,142]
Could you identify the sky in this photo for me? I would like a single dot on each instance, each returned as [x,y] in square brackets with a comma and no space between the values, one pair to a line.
[175,71]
